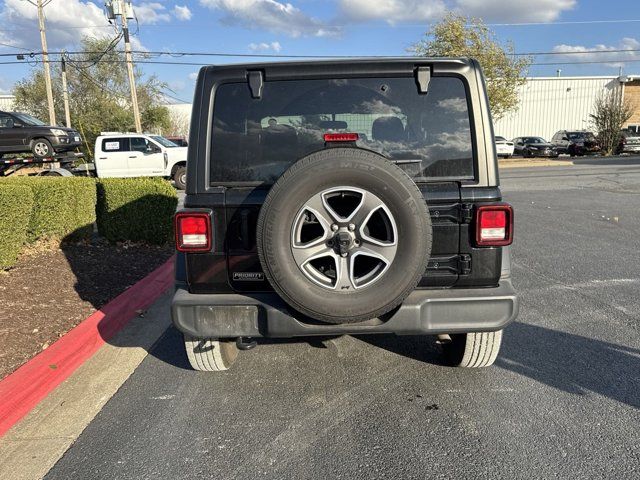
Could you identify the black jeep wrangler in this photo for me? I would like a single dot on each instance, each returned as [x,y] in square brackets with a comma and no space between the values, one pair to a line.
[342,197]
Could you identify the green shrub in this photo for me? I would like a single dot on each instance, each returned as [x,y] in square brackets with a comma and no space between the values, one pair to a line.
[63,208]
[136,209]
[16,203]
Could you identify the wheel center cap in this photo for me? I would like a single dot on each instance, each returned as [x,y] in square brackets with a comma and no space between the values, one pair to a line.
[343,241]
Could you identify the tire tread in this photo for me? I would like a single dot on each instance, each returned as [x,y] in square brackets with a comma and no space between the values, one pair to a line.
[303,164]
[208,354]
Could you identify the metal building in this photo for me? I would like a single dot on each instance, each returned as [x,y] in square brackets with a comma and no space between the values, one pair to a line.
[6,102]
[549,104]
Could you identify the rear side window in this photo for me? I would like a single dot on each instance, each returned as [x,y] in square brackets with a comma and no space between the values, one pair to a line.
[115,144]
[6,121]
[256,140]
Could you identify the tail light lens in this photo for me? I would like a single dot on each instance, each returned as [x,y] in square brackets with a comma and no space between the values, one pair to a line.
[340,137]
[494,225]
[193,232]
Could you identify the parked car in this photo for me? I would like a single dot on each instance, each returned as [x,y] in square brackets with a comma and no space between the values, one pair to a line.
[504,148]
[22,133]
[629,142]
[534,147]
[180,141]
[309,215]
[575,142]
[140,155]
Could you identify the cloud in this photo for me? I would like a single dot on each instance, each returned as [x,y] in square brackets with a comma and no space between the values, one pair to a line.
[151,13]
[515,10]
[393,11]
[397,11]
[458,105]
[176,85]
[263,47]
[5,86]
[21,18]
[182,12]
[270,15]
[598,53]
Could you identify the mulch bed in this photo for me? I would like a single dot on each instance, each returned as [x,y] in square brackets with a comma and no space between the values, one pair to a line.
[49,292]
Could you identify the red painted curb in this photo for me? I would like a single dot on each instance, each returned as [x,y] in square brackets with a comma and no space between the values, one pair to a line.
[33,381]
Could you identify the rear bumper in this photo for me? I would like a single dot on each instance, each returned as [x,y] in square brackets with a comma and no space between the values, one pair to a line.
[423,312]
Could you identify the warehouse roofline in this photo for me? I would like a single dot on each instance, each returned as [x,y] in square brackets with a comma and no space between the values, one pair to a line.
[581,77]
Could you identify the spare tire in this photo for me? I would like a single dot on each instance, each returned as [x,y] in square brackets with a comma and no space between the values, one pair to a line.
[344,235]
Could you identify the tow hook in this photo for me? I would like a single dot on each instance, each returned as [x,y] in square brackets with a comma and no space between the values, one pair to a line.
[245,343]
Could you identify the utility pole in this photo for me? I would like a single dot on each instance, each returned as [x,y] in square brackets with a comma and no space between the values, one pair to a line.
[129,60]
[65,91]
[45,60]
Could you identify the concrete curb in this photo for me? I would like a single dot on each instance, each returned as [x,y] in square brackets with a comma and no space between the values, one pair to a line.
[32,382]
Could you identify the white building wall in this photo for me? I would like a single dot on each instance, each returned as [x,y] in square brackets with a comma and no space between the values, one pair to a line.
[549,104]
[6,102]
[180,115]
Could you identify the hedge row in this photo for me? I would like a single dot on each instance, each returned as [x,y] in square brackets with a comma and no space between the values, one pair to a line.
[125,209]
[16,202]
[136,209]
[63,208]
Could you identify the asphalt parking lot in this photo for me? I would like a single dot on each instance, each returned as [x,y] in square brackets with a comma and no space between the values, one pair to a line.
[562,401]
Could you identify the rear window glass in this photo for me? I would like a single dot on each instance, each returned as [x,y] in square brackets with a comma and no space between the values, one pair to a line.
[256,140]
[115,144]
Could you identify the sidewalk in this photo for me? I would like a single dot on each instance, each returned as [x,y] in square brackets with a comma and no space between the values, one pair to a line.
[32,446]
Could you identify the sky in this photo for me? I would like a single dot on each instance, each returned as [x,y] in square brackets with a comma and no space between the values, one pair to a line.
[327,27]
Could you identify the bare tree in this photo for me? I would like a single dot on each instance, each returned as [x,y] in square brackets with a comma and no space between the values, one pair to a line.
[611,112]
[179,123]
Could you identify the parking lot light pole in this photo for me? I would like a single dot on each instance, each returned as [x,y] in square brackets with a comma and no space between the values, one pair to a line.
[129,61]
[45,61]
[65,92]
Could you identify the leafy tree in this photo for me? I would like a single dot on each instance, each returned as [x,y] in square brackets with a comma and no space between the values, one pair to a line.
[460,36]
[611,112]
[99,97]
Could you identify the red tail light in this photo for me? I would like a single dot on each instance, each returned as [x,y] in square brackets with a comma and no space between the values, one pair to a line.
[494,225]
[340,137]
[193,232]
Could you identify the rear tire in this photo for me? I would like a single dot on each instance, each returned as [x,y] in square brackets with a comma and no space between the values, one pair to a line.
[210,355]
[473,350]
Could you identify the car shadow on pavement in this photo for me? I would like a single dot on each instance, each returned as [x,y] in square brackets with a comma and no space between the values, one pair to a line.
[417,347]
[565,361]
[572,363]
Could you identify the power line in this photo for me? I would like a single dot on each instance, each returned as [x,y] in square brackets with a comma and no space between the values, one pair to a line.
[174,97]
[146,53]
[575,22]
[201,64]
[361,25]
[13,46]
[588,62]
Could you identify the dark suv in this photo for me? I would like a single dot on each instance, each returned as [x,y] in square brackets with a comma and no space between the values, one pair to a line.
[574,143]
[22,133]
[344,197]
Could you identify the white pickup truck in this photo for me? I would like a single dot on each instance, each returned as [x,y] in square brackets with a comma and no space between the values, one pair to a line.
[140,155]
